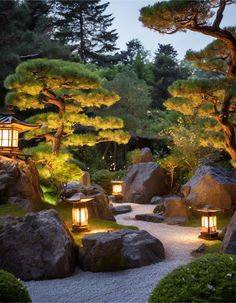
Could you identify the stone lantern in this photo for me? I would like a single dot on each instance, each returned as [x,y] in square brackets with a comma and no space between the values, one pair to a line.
[208,222]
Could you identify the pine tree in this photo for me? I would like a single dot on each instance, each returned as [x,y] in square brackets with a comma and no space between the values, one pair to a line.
[166,70]
[84,26]
[204,17]
[64,91]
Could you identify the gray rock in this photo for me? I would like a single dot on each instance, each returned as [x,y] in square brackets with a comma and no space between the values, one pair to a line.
[99,208]
[144,181]
[120,250]
[146,155]
[176,220]
[201,250]
[229,241]
[210,185]
[71,188]
[85,180]
[157,200]
[19,183]
[36,246]
[175,206]
[222,233]
[155,218]
[121,209]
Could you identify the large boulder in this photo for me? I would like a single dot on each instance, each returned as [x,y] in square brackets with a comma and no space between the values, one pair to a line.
[99,208]
[210,185]
[119,250]
[229,241]
[36,246]
[143,181]
[19,183]
[146,155]
[175,206]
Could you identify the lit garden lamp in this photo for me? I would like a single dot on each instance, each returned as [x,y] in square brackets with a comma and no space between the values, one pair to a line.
[209,222]
[10,128]
[79,212]
[117,190]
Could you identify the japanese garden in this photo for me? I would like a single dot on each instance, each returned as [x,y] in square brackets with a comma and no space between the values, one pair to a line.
[117,161]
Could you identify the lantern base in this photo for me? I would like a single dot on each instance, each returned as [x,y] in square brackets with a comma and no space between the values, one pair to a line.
[79,229]
[118,198]
[209,236]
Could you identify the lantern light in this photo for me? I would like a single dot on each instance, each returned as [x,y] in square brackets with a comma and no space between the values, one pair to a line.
[79,211]
[208,222]
[117,188]
[10,128]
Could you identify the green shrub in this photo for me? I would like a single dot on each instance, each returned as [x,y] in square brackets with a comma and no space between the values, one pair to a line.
[103,178]
[11,289]
[134,156]
[211,278]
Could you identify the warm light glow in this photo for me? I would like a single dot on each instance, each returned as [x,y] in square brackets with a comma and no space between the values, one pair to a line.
[117,188]
[208,224]
[8,138]
[80,216]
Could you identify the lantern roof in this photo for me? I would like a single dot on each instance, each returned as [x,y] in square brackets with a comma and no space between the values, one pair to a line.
[21,126]
[209,209]
[79,198]
[118,182]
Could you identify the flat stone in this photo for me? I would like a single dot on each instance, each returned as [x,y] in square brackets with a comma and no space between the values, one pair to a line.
[155,218]
[121,209]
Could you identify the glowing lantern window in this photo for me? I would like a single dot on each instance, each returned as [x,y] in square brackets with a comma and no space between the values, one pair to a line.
[79,212]
[209,222]
[10,128]
[117,188]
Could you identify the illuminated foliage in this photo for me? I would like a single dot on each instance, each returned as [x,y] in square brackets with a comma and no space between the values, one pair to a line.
[64,91]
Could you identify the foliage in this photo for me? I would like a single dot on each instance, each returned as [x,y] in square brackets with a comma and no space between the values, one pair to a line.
[134,99]
[64,91]
[134,156]
[215,97]
[11,209]
[208,279]
[86,28]
[166,70]
[103,178]
[11,289]
[187,151]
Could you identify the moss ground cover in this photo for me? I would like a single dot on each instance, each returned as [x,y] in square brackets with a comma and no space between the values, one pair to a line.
[208,279]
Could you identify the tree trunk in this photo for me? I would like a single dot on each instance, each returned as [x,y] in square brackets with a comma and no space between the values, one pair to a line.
[57,140]
[82,46]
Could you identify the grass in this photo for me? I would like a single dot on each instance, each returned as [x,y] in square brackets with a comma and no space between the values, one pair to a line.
[64,211]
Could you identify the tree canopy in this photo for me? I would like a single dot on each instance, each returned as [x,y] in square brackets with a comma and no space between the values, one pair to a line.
[62,93]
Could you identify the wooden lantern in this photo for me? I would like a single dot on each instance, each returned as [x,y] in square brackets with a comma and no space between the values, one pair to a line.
[79,212]
[10,128]
[208,222]
[117,188]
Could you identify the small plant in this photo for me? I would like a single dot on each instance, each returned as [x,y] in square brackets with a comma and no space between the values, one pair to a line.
[103,178]
[134,156]
[208,279]
[11,289]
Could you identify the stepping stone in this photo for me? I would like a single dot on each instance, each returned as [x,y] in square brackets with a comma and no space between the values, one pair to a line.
[121,209]
[155,218]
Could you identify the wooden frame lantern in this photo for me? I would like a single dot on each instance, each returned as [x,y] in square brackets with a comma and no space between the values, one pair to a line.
[117,188]
[208,222]
[79,212]
[10,128]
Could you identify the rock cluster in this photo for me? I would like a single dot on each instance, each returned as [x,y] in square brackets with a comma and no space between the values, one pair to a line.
[36,246]
[119,250]
[19,183]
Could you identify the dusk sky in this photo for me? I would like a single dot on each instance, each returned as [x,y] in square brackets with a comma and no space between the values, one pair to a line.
[126,13]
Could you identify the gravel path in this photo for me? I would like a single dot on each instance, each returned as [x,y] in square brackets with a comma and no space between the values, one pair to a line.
[133,285]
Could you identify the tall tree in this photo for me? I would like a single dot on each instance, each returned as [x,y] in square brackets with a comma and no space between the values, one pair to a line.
[204,17]
[85,26]
[65,90]
[166,70]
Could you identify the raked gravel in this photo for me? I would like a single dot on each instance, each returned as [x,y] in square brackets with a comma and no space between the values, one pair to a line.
[132,285]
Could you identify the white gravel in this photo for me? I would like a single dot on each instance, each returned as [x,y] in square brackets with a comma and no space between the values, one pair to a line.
[133,285]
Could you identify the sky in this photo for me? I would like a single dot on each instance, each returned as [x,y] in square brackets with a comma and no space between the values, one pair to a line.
[126,13]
